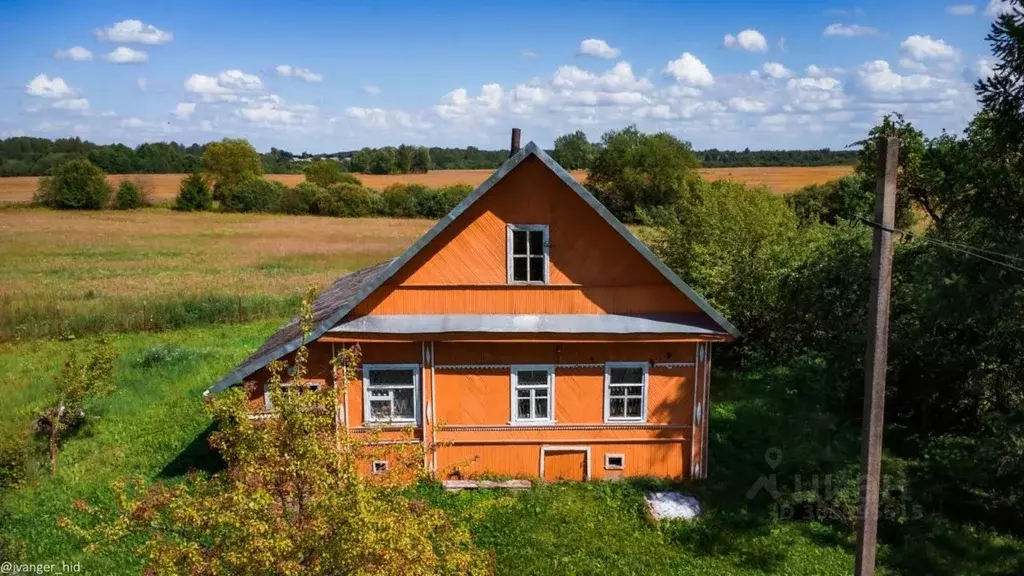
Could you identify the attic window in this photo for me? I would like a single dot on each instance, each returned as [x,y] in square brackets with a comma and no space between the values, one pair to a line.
[527,254]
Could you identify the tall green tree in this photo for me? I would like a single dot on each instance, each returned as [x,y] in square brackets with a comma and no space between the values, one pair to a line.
[421,160]
[573,151]
[228,162]
[323,172]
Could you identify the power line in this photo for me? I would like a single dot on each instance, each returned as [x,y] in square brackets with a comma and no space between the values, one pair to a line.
[956,247]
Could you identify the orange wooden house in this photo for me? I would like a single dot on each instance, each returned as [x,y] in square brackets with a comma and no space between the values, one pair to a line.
[528,334]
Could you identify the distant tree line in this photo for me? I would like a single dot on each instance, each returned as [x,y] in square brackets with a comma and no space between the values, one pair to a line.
[29,156]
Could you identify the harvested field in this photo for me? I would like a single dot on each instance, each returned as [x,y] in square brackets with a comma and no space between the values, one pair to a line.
[163,187]
[83,272]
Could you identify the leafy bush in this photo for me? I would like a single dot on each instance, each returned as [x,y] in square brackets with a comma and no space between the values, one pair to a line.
[254,194]
[328,172]
[13,460]
[229,162]
[349,178]
[193,194]
[299,198]
[399,200]
[346,200]
[75,185]
[129,196]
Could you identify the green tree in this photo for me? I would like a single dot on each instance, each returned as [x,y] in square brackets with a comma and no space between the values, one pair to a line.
[193,194]
[86,375]
[384,161]
[639,171]
[75,185]
[573,151]
[910,187]
[361,161]
[292,499]
[228,162]
[254,194]
[129,196]
[421,160]
[1002,93]
[323,172]
[404,159]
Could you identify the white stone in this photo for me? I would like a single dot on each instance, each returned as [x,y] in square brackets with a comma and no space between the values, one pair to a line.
[672,505]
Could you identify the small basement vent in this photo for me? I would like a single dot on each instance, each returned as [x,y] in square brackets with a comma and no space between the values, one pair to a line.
[614,461]
[380,466]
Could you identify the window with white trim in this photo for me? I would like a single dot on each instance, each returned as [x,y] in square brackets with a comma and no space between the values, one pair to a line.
[533,394]
[527,254]
[291,388]
[614,461]
[390,393]
[625,392]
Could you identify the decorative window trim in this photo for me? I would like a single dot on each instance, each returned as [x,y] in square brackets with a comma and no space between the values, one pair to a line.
[379,467]
[508,254]
[317,383]
[367,414]
[645,366]
[609,466]
[513,386]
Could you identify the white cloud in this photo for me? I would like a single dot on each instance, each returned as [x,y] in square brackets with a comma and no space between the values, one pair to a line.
[749,40]
[983,68]
[879,80]
[912,65]
[961,9]
[184,109]
[690,71]
[228,86]
[134,122]
[45,87]
[747,105]
[126,55]
[73,104]
[781,43]
[141,83]
[372,90]
[525,53]
[998,8]
[599,48]
[776,70]
[815,94]
[266,112]
[134,32]
[850,30]
[76,53]
[381,119]
[304,74]
[926,47]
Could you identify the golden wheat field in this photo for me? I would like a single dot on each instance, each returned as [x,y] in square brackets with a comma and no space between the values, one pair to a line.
[163,187]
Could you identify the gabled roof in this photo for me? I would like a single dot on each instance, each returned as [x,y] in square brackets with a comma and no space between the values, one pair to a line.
[348,291]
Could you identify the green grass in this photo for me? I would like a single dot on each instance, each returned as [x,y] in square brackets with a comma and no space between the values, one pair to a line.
[154,426]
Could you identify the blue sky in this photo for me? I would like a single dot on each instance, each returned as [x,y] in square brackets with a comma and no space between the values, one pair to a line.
[322,76]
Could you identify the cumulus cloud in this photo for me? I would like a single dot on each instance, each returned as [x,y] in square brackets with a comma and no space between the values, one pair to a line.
[525,53]
[126,55]
[926,47]
[304,74]
[983,68]
[184,109]
[598,48]
[45,87]
[381,119]
[850,30]
[747,105]
[372,90]
[998,8]
[73,104]
[961,9]
[134,32]
[689,71]
[76,53]
[776,70]
[749,40]
[226,86]
[879,80]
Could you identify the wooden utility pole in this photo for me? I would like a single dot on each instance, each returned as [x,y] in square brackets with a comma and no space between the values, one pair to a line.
[876,359]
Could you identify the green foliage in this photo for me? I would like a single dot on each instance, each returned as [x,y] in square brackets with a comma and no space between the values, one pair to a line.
[14,460]
[129,196]
[1002,93]
[399,200]
[421,161]
[639,171]
[193,194]
[346,200]
[75,185]
[909,183]
[299,198]
[254,194]
[573,151]
[292,481]
[324,173]
[86,375]
[846,198]
[228,163]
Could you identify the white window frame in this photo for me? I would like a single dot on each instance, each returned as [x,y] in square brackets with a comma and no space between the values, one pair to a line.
[508,253]
[514,397]
[309,383]
[609,466]
[383,464]
[368,414]
[608,418]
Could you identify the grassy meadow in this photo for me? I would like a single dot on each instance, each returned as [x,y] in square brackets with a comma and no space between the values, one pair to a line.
[162,188]
[74,273]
